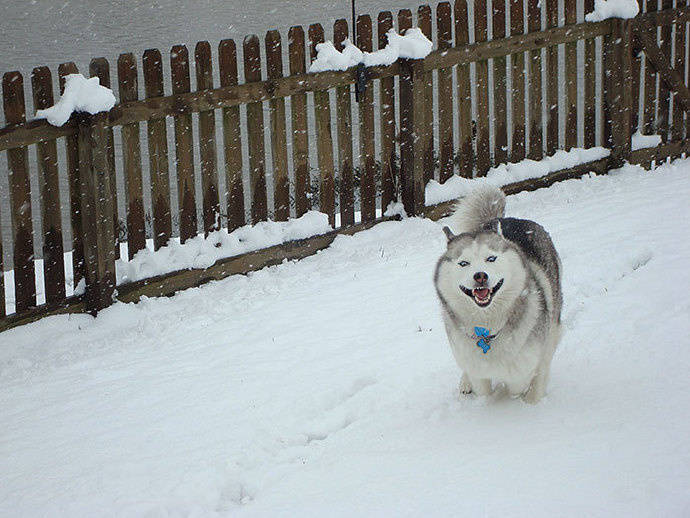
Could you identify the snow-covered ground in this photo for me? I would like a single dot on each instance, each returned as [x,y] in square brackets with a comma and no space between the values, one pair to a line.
[326,386]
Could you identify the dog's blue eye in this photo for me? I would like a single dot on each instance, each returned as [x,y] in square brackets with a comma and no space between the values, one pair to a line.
[463,263]
[491,259]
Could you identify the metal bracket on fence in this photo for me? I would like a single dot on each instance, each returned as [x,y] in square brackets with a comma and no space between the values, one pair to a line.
[361,84]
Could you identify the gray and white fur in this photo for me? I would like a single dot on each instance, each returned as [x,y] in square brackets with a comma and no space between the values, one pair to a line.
[502,274]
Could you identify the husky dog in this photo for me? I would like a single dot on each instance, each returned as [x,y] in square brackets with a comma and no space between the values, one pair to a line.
[500,290]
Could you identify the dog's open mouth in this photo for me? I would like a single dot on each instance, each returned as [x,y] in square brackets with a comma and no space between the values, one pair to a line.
[482,295]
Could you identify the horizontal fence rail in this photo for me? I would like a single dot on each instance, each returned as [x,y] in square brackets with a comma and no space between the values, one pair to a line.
[210,139]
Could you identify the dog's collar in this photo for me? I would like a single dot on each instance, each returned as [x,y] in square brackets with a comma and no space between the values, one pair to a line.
[485,337]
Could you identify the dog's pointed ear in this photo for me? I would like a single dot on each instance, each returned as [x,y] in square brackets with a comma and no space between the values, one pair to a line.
[449,234]
[499,229]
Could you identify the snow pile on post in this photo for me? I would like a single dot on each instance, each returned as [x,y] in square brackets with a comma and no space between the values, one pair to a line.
[81,95]
[413,45]
[504,174]
[604,9]
[202,252]
[640,141]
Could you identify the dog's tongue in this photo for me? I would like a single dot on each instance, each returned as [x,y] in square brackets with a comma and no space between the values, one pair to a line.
[481,293]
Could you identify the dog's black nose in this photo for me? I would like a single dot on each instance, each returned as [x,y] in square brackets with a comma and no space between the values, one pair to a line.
[481,277]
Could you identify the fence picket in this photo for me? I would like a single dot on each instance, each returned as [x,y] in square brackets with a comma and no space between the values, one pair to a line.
[551,91]
[158,152]
[650,93]
[424,23]
[677,126]
[500,98]
[389,165]
[517,26]
[445,94]
[482,92]
[20,197]
[53,250]
[664,110]
[298,112]
[131,158]
[255,131]
[72,155]
[207,141]
[367,158]
[590,85]
[99,67]
[281,181]
[344,128]
[324,138]
[3,309]
[404,20]
[570,7]
[232,138]
[465,133]
[184,145]
[536,137]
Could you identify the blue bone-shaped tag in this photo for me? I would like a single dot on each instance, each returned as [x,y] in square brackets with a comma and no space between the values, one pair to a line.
[484,338]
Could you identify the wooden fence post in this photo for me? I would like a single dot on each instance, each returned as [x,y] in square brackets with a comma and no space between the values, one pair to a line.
[97,208]
[412,143]
[618,90]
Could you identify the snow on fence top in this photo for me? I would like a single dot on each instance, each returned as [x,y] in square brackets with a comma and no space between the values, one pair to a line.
[604,9]
[413,45]
[81,95]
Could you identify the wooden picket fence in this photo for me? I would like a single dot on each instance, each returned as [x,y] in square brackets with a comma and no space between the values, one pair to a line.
[427,128]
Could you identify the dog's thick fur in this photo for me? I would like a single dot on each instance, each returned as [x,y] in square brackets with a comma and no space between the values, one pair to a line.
[521,283]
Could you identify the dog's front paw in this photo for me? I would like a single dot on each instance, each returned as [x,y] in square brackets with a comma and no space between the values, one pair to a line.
[465,385]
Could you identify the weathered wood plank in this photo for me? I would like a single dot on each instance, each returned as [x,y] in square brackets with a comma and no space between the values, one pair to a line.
[552,76]
[298,113]
[20,197]
[324,138]
[131,158]
[664,110]
[97,208]
[424,23]
[232,138]
[571,72]
[389,173]
[517,26]
[404,20]
[590,85]
[72,155]
[207,141]
[500,95]
[411,147]
[367,153]
[281,180]
[99,67]
[678,126]
[618,89]
[158,152]
[53,250]
[536,137]
[184,146]
[445,94]
[344,128]
[255,132]
[650,80]
[482,92]
[465,134]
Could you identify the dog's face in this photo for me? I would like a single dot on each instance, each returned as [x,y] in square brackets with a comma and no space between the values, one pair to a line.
[480,274]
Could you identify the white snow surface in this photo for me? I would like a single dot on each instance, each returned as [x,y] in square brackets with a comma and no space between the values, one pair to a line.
[640,141]
[413,45]
[80,95]
[503,174]
[327,387]
[202,252]
[604,9]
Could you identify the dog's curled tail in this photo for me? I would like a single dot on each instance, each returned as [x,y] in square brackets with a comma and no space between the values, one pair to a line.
[485,203]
